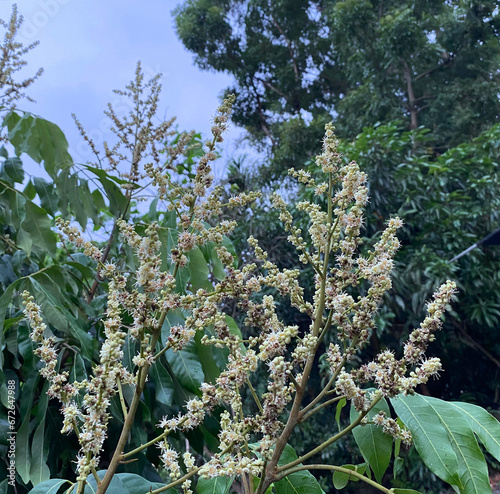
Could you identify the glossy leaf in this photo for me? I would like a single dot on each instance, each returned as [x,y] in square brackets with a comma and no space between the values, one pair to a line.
[302,482]
[51,486]
[163,383]
[439,430]
[187,367]
[341,479]
[405,491]
[216,485]
[340,405]
[198,270]
[39,471]
[485,426]
[374,445]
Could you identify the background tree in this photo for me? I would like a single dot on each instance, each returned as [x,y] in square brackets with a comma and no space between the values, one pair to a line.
[413,89]
[298,63]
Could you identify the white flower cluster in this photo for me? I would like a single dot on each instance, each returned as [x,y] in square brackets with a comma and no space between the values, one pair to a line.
[286,354]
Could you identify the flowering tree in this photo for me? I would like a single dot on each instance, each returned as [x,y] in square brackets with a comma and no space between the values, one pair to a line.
[167,286]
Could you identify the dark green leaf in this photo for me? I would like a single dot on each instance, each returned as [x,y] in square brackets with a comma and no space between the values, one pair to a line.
[39,471]
[374,445]
[187,367]
[48,197]
[163,383]
[40,139]
[39,226]
[14,168]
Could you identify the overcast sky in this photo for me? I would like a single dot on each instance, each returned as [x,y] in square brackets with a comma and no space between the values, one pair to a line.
[88,48]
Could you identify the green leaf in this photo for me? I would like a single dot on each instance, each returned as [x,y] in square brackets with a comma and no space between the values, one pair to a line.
[5,300]
[24,241]
[78,371]
[51,486]
[117,200]
[404,491]
[298,482]
[439,431]
[198,270]
[164,386]
[39,226]
[14,169]
[48,198]
[340,405]
[136,484]
[187,367]
[23,456]
[216,485]
[42,140]
[124,483]
[206,356]
[374,445]
[485,426]
[39,471]
[341,479]
[398,465]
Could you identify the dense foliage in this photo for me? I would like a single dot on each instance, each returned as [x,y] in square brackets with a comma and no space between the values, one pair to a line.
[296,64]
[446,201]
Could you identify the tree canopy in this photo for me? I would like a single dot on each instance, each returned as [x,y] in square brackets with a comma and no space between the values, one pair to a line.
[297,63]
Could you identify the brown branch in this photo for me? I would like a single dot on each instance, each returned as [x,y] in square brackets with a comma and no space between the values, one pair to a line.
[469,340]
[411,96]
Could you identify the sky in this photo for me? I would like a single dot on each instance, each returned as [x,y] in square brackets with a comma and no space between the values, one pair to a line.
[88,48]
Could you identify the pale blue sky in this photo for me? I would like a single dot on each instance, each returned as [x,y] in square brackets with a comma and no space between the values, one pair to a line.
[88,48]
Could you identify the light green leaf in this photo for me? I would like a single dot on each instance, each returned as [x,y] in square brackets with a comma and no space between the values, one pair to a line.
[485,426]
[124,483]
[429,437]
[216,485]
[374,445]
[135,484]
[198,270]
[299,482]
[341,479]
[439,428]
[51,486]
[340,405]
[405,491]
